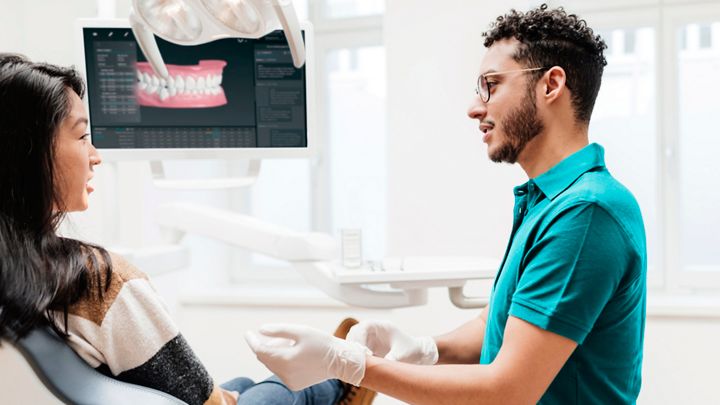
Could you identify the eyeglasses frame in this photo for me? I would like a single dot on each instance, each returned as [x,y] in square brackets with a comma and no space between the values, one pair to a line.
[487,85]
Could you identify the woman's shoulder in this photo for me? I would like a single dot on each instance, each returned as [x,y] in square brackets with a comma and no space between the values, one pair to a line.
[123,269]
[122,275]
[120,270]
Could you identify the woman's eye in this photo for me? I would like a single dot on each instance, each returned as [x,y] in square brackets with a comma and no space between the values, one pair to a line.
[85,137]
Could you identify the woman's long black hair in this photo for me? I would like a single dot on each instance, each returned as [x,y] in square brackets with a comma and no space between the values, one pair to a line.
[40,272]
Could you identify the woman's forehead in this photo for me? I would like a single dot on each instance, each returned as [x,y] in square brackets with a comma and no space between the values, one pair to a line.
[77,109]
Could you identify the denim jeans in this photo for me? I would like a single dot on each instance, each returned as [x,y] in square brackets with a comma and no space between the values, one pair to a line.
[273,392]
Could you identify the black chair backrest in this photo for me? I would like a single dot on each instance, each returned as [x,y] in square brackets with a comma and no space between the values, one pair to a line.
[73,381]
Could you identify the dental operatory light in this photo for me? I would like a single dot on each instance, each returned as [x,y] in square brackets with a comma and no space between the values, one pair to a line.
[170,18]
[193,22]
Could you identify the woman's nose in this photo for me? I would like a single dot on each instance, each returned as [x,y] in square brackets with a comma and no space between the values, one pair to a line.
[95,158]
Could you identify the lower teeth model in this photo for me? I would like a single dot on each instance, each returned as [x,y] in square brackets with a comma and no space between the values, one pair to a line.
[193,86]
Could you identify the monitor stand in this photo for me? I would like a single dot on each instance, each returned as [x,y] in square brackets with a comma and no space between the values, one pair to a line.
[160,180]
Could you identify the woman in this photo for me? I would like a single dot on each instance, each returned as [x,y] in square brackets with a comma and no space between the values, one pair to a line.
[105,308]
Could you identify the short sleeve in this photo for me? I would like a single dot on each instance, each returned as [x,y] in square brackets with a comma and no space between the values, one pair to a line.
[571,271]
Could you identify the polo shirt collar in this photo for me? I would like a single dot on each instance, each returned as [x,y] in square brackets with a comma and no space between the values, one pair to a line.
[562,175]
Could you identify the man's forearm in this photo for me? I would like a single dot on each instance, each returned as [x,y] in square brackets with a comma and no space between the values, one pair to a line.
[463,345]
[527,363]
[436,385]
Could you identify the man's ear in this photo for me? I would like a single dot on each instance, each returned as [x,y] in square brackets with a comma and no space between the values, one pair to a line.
[554,83]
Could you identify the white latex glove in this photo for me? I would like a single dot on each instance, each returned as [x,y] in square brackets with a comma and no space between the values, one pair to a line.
[302,356]
[384,339]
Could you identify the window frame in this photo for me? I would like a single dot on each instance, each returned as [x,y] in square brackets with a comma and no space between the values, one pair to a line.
[329,34]
[644,17]
[676,16]
[666,18]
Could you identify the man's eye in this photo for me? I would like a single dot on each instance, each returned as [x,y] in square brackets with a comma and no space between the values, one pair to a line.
[491,84]
[85,136]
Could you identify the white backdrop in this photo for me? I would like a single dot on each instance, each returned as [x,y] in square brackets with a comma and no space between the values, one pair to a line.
[443,197]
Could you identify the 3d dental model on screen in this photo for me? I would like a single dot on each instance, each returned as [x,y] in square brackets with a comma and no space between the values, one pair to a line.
[194,86]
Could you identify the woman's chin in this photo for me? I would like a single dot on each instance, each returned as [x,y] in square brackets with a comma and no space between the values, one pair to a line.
[79,206]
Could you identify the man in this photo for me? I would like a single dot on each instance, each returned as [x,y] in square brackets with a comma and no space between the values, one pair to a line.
[566,317]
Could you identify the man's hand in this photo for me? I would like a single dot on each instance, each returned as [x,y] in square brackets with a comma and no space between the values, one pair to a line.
[302,356]
[384,339]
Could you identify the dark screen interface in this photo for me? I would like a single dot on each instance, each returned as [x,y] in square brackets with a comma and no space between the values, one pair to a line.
[230,93]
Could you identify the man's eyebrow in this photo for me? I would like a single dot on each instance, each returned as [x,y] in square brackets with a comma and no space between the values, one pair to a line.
[81,119]
[488,72]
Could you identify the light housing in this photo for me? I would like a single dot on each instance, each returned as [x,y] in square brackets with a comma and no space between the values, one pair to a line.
[194,22]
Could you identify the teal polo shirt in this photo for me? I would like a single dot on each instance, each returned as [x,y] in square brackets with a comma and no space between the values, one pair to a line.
[576,266]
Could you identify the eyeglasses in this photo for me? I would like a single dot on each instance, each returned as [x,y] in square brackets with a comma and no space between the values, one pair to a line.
[482,87]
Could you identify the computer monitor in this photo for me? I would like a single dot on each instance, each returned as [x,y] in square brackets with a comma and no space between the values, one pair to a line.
[231,98]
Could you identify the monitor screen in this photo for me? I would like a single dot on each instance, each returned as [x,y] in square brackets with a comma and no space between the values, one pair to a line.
[231,93]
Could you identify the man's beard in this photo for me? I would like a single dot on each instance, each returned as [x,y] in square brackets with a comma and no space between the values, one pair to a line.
[520,126]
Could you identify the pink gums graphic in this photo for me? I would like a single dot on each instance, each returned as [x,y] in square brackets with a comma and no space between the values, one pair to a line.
[194,86]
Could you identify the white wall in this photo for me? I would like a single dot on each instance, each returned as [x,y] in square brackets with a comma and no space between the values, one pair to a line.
[444,197]
[43,30]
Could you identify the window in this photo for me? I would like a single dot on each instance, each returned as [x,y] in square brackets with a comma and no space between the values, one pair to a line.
[660,92]
[624,121]
[356,152]
[344,187]
[698,86]
[352,8]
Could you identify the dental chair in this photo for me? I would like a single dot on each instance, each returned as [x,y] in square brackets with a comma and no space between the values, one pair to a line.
[73,381]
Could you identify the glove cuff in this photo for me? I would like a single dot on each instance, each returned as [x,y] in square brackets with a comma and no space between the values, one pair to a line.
[429,351]
[350,362]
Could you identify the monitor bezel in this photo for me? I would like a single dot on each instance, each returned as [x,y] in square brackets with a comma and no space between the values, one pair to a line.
[135,154]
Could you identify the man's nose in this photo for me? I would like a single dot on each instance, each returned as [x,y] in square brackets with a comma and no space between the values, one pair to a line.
[477,109]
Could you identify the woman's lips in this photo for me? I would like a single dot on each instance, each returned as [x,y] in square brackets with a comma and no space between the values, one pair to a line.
[89,188]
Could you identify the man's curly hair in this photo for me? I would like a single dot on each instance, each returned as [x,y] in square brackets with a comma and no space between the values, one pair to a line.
[551,37]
